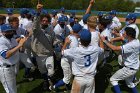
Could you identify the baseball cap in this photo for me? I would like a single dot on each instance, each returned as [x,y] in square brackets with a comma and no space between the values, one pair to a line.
[85,35]
[24,11]
[62,9]
[113,12]
[54,12]
[131,16]
[61,19]
[85,17]
[76,28]
[100,14]
[44,12]
[9,11]
[71,20]
[6,28]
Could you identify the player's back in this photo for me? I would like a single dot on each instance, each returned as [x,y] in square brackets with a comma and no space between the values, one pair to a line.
[85,60]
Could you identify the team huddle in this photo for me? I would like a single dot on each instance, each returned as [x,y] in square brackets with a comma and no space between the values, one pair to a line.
[79,46]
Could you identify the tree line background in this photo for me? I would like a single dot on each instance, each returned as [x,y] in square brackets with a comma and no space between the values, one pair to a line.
[100,5]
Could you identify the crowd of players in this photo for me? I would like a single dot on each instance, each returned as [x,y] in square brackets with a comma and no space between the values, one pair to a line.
[77,45]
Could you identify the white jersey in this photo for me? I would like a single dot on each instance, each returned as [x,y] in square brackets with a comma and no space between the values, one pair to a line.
[7,22]
[58,30]
[85,59]
[83,25]
[116,21]
[130,54]
[95,38]
[134,26]
[106,33]
[73,41]
[6,45]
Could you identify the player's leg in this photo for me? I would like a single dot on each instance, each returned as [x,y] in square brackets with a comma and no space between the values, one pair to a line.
[8,79]
[129,81]
[28,65]
[78,85]
[90,86]
[50,65]
[42,68]
[66,71]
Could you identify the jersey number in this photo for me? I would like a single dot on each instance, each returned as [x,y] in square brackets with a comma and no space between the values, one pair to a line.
[87,60]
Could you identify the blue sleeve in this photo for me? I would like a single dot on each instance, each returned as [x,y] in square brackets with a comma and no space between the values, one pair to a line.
[3,54]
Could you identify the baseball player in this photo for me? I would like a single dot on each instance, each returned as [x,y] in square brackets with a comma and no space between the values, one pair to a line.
[43,40]
[9,57]
[91,22]
[83,22]
[130,54]
[65,61]
[84,65]
[115,20]
[20,33]
[9,13]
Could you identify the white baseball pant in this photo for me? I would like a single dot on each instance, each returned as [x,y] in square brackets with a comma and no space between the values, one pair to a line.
[8,79]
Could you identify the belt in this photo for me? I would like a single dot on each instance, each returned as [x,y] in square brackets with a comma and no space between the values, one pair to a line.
[130,68]
[7,66]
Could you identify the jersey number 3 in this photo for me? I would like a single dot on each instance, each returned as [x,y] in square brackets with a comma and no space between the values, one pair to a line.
[87,60]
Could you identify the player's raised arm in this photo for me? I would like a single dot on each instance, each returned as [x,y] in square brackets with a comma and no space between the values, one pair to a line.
[90,6]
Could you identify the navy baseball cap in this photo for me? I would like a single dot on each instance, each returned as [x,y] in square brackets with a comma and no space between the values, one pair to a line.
[113,12]
[24,11]
[6,28]
[76,28]
[71,20]
[131,16]
[85,17]
[61,19]
[100,14]
[85,35]
[54,12]
[9,11]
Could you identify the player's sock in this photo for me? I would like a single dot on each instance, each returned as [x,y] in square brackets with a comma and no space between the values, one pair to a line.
[59,83]
[134,90]
[117,89]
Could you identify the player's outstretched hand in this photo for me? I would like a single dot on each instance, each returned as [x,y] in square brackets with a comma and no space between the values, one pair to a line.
[22,41]
[92,1]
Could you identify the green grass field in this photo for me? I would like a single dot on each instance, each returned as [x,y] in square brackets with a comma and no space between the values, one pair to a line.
[35,86]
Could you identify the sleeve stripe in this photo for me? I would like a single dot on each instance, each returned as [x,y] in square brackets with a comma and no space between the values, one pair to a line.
[3,51]
[122,49]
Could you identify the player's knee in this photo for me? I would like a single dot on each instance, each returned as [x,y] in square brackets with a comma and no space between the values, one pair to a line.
[113,81]
[50,73]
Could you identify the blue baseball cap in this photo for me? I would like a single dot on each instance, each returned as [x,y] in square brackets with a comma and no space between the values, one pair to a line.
[100,14]
[85,17]
[24,11]
[62,9]
[131,16]
[54,12]
[44,12]
[71,20]
[66,18]
[113,12]
[61,19]
[6,28]
[85,35]
[76,28]
[9,11]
